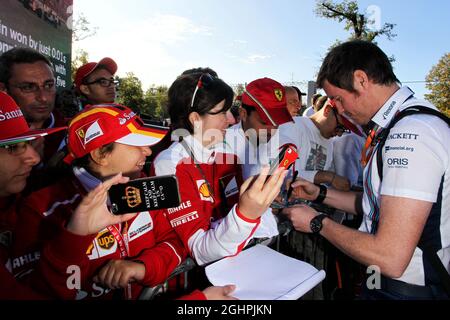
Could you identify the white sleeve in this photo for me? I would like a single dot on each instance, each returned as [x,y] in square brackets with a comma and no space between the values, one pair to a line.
[292,133]
[227,239]
[415,157]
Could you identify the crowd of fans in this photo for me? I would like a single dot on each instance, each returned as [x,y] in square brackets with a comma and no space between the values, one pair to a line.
[56,170]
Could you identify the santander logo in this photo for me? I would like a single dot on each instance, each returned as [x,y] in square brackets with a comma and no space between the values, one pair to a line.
[10,115]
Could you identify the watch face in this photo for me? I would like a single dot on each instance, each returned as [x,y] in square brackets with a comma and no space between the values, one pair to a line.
[316,224]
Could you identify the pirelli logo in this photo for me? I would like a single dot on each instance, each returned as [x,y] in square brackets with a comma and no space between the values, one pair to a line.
[183,219]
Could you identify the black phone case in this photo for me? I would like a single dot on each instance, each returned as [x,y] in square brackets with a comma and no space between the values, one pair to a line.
[145,194]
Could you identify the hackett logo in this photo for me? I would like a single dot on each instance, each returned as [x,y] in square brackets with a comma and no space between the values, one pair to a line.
[10,115]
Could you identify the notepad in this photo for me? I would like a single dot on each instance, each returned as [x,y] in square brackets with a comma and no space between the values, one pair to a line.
[261,273]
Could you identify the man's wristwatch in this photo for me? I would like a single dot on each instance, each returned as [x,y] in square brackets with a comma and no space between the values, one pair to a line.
[316,223]
[322,194]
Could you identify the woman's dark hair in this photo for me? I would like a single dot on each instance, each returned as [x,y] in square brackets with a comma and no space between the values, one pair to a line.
[85,161]
[342,61]
[207,97]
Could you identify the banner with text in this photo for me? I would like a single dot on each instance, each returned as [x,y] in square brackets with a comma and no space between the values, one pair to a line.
[43,25]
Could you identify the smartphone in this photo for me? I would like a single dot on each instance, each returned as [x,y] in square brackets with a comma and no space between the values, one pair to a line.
[144,194]
[286,158]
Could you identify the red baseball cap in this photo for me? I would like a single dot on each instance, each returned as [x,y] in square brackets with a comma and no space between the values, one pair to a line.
[86,69]
[101,124]
[13,126]
[269,98]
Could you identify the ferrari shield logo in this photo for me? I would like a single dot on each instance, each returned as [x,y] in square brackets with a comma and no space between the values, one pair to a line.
[278,94]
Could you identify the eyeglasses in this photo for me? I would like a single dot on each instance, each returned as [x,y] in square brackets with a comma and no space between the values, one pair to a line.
[203,82]
[31,87]
[339,125]
[17,149]
[103,82]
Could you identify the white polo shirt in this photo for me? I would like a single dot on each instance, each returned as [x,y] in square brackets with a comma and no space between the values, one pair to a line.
[416,165]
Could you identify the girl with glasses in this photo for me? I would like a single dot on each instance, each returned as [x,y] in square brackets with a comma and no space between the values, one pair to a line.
[218,214]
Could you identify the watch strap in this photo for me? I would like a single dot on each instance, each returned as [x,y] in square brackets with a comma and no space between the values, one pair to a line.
[322,194]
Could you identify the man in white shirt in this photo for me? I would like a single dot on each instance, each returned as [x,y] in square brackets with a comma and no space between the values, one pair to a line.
[405,234]
[312,138]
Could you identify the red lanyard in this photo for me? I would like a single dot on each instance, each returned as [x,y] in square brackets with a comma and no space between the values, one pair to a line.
[122,239]
[122,242]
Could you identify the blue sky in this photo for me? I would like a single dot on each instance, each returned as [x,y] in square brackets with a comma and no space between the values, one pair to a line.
[248,39]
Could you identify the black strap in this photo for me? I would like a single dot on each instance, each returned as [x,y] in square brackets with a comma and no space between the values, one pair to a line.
[429,253]
[437,265]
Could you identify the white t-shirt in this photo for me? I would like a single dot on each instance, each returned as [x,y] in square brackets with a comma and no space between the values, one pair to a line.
[416,164]
[308,112]
[252,158]
[315,152]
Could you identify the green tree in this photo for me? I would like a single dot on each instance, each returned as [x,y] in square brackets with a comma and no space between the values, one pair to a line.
[438,82]
[78,59]
[81,30]
[156,102]
[359,24]
[131,94]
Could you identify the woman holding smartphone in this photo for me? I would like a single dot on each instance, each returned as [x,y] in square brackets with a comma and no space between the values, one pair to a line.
[105,140]
[218,215]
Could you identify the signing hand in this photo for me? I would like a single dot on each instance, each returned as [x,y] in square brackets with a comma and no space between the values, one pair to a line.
[300,216]
[304,189]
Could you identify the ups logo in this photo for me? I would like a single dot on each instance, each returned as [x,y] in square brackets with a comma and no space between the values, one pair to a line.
[132,196]
[106,240]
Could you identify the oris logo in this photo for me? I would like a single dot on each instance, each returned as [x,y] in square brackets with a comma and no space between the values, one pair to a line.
[397,161]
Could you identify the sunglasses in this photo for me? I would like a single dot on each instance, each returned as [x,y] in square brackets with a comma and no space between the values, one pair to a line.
[203,82]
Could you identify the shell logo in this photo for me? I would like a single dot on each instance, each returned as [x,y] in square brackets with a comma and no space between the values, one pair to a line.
[204,190]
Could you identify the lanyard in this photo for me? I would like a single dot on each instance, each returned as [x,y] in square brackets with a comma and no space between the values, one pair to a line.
[122,240]
[191,155]
[369,146]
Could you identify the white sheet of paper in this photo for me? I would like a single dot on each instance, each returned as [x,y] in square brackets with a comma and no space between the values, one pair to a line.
[261,273]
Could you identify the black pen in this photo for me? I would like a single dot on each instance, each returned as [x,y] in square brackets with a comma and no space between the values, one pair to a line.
[289,193]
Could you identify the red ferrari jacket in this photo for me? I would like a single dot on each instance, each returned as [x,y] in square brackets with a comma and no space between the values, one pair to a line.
[147,238]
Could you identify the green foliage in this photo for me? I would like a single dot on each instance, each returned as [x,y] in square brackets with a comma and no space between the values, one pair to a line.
[82,29]
[80,58]
[356,22]
[438,82]
[156,102]
[130,93]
